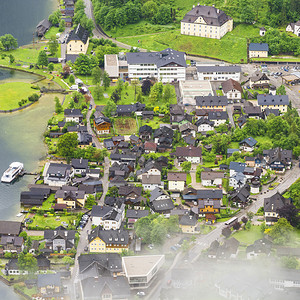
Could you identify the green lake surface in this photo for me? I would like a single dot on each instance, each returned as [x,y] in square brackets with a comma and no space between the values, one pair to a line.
[21,139]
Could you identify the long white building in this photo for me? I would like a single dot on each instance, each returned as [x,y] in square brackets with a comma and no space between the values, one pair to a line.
[219,73]
[167,65]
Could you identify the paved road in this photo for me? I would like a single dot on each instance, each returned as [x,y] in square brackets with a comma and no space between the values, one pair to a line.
[204,241]
[230,115]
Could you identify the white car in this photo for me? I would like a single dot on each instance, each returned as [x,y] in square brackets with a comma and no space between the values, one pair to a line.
[74,87]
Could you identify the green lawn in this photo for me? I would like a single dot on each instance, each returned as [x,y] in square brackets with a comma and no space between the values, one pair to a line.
[51,222]
[248,236]
[232,47]
[155,123]
[13,92]
[278,58]
[188,179]
[51,32]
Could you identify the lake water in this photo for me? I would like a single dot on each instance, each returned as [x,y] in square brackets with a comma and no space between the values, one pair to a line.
[20,17]
[21,139]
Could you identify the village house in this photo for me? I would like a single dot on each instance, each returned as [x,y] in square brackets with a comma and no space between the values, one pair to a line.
[150,182]
[230,152]
[108,217]
[248,144]
[204,125]
[71,197]
[145,132]
[240,197]
[101,264]
[210,178]
[212,102]
[167,65]
[261,247]
[294,28]
[250,161]
[188,223]
[271,206]
[236,167]
[108,241]
[73,115]
[151,168]
[141,271]
[163,137]
[253,112]
[35,196]
[176,181]
[133,215]
[258,50]
[192,154]
[50,286]
[10,228]
[80,165]
[218,117]
[280,102]
[259,80]
[77,42]
[59,239]
[43,27]
[12,244]
[150,147]
[219,73]
[105,287]
[206,21]
[163,206]
[102,125]
[232,89]
[130,109]
[237,180]
[278,159]
[158,194]
[187,129]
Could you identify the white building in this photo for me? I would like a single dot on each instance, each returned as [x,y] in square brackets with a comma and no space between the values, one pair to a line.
[176,181]
[167,65]
[219,73]
[232,89]
[150,182]
[294,28]
[206,21]
[211,178]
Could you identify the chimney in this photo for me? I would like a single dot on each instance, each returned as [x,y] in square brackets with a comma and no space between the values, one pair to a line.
[66,233]
[218,11]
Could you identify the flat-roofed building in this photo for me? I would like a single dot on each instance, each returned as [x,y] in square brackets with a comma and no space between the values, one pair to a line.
[189,89]
[141,270]
[111,65]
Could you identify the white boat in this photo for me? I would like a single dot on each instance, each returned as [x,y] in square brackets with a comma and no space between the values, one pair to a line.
[12,172]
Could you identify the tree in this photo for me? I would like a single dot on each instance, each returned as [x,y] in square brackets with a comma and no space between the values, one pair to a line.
[290,212]
[115,96]
[168,93]
[72,79]
[106,80]
[67,144]
[250,215]
[281,90]
[244,220]
[62,25]
[158,233]
[113,191]
[29,242]
[289,262]
[146,85]
[82,64]
[110,108]
[226,232]
[186,166]
[55,17]
[248,225]
[134,83]
[97,75]
[11,59]
[67,260]
[98,93]
[236,225]
[143,229]
[1,46]
[24,235]
[42,59]
[281,232]
[53,45]
[163,15]
[66,70]
[58,106]
[90,202]
[51,67]
[247,13]
[27,262]
[8,42]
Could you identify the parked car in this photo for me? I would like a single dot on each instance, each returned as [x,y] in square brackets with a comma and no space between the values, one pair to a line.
[141,294]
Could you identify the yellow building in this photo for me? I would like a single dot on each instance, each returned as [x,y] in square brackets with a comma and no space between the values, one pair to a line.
[70,196]
[108,241]
[189,224]
[280,102]
[258,50]
[211,102]
[78,41]
[206,21]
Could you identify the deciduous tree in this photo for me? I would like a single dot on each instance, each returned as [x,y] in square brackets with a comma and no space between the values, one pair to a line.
[281,231]
[42,59]
[67,144]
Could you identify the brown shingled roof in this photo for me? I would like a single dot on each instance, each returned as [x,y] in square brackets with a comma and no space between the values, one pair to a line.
[176,176]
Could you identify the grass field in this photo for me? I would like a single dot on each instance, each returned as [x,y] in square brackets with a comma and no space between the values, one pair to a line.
[248,236]
[155,123]
[13,92]
[232,47]
[52,222]
[51,32]
[125,125]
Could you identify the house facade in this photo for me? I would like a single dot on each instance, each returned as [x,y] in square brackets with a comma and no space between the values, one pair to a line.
[258,50]
[294,28]
[167,65]
[176,181]
[219,73]
[102,125]
[280,102]
[232,89]
[206,21]
[78,41]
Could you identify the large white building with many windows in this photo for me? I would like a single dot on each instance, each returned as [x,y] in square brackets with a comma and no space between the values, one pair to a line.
[167,65]
[206,21]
